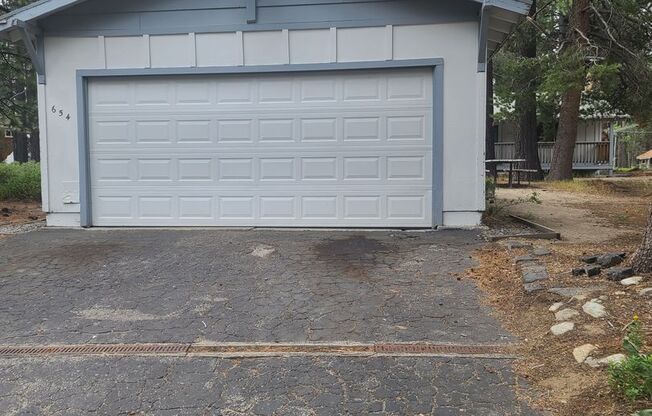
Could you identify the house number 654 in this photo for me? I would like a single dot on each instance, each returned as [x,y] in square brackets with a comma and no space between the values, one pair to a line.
[59,112]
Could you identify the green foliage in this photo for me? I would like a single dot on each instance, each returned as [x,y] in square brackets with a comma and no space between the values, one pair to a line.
[18,96]
[20,181]
[633,376]
[613,67]
[489,188]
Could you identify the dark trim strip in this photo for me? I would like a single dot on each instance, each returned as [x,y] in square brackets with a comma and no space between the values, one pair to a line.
[85,198]
[83,75]
[251,10]
[438,146]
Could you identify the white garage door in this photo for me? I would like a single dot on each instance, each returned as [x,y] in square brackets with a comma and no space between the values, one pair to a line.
[337,148]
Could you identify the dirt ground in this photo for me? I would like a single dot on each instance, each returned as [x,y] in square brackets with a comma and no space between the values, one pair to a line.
[592,211]
[16,216]
[12,212]
[594,217]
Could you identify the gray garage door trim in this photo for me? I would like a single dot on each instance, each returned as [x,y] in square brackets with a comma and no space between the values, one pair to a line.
[83,77]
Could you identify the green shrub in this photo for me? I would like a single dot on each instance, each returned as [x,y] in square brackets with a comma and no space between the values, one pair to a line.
[633,376]
[20,181]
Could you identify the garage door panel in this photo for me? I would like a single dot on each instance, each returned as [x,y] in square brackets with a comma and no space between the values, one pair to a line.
[315,169]
[240,208]
[304,90]
[328,149]
[393,128]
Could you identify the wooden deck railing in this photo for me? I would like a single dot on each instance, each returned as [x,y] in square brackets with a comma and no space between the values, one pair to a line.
[587,155]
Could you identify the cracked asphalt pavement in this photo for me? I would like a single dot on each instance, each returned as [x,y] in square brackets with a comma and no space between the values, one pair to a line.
[203,286]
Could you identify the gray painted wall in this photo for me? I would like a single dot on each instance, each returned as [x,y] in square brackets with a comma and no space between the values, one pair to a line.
[128,17]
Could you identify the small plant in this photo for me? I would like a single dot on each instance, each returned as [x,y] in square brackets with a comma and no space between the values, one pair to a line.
[632,377]
[496,207]
[534,198]
[489,188]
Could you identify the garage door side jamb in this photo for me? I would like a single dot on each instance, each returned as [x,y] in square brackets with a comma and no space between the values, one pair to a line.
[85,198]
[438,146]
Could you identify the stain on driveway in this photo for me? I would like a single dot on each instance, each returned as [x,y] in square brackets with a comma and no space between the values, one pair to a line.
[73,286]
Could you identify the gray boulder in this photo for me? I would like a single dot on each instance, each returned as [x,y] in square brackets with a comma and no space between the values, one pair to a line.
[578,271]
[592,270]
[619,273]
[589,259]
[610,259]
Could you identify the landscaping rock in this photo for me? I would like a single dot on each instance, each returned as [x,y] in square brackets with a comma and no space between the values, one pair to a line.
[631,281]
[578,271]
[562,328]
[566,314]
[620,293]
[533,287]
[646,292]
[533,273]
[569,292]
[512,244]
[589,259]
[594,308]
[582,352]
[610,259]
[541,251]
[612,359]
[525,259]
[555,306]
[619,273]
[592,270]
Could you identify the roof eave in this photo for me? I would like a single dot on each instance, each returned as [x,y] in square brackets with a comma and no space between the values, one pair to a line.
[32,12]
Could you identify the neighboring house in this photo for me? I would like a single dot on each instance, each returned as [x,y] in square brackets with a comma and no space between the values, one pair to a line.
[593,149]
[342,113]
[645,159]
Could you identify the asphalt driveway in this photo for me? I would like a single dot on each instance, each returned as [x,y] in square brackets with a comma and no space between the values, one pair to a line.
[209,286]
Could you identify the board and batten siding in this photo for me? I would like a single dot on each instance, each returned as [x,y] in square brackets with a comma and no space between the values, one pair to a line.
[455,43]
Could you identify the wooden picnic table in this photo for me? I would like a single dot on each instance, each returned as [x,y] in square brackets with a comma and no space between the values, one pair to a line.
[510,162]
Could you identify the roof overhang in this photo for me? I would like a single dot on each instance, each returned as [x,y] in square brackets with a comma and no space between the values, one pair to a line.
[31,13]
[497,19]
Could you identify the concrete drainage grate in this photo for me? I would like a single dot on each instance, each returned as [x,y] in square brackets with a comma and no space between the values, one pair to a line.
[257,350]
[97,349]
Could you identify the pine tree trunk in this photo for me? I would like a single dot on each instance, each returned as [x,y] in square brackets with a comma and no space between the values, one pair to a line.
[527,141]
[561,167]
[35,146]
[642,260]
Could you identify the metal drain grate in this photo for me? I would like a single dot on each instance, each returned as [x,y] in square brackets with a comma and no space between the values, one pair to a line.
[257,349]
[434,349]
[96,349]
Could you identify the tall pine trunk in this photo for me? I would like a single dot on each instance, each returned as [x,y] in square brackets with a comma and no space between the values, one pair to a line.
[642,260]
[527,141]
[561,167]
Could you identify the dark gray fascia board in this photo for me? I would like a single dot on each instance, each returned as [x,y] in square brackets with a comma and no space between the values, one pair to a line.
[44,8]
[83,75]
